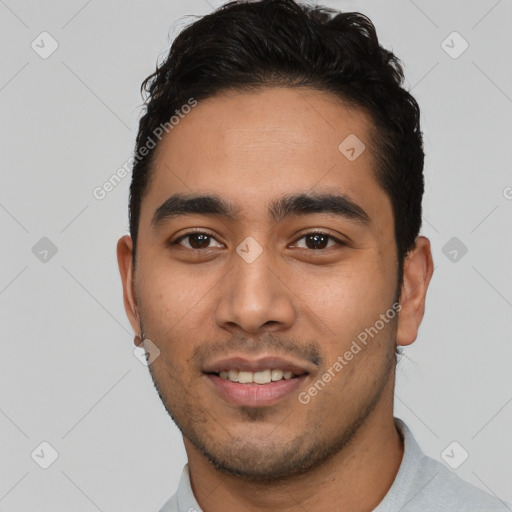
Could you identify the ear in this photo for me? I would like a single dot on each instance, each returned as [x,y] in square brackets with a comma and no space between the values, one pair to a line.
[124,260]
[418,269]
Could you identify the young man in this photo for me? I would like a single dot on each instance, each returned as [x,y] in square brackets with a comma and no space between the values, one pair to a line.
[274,264]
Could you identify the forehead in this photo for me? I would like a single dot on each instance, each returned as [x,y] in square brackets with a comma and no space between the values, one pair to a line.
[254,148]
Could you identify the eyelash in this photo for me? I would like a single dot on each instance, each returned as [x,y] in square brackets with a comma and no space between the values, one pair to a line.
[190,233]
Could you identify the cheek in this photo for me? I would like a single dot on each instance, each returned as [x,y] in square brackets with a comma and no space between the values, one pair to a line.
[348,297]
[170,300]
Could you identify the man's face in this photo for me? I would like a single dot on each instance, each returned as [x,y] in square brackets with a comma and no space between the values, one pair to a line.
[253,293]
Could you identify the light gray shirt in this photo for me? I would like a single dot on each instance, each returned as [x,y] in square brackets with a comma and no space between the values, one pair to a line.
[422,484]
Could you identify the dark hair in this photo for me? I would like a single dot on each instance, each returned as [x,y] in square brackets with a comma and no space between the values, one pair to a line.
[246,45]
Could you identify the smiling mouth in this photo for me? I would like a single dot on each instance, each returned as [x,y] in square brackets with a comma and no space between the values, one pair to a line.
[262,382]
[260,377]
[255,389]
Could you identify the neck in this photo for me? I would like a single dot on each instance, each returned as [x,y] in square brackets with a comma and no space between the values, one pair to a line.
[356,478]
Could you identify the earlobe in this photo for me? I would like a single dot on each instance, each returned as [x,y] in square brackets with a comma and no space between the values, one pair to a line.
[418,269]
[124,261]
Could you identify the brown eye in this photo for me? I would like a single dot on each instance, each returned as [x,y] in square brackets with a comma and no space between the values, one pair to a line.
[318,240]
[196,240]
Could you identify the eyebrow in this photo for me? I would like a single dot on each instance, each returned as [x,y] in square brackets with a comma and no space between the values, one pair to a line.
[280,209]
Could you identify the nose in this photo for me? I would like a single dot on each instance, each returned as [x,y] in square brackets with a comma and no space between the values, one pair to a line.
[254,297]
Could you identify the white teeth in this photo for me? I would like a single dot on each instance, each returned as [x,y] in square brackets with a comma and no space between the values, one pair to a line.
[245,377]
[277,374]
[261,377]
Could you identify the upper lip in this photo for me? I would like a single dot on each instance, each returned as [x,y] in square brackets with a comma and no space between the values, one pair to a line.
[256,365]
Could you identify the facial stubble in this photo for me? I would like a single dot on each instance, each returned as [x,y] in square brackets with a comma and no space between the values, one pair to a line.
[249,456]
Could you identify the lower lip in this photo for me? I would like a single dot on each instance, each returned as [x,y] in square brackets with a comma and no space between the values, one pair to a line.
[255,395]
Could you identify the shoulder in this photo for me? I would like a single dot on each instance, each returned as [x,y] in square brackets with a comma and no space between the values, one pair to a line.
[183,499]
[438,489]
[171,505]
[427,484]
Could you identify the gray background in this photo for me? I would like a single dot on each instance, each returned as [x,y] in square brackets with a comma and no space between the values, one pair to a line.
[68,373]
